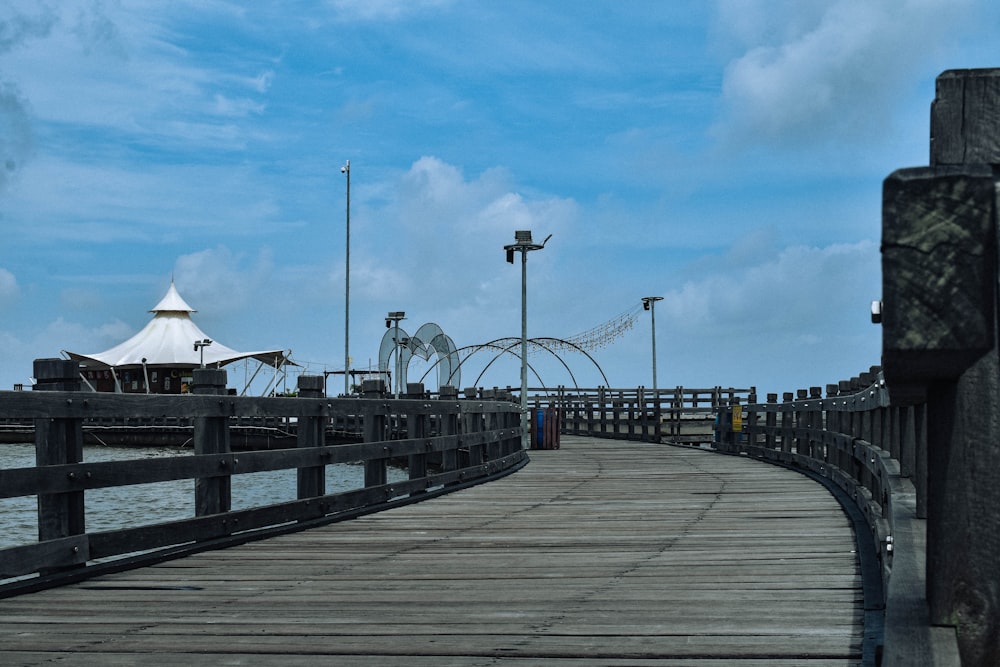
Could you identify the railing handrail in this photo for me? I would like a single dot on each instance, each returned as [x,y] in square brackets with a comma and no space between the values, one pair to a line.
[676,414]
[470,440]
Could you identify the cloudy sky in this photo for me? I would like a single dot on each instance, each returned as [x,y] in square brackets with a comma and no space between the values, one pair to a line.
[727,156]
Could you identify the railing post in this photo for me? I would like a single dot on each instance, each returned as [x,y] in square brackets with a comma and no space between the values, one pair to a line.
[940,345]
[750,419]
[416,426]
[58,440]
[814,419]
[787,423]
[212,495]
[602,405]
[677,411]
[771,424]
[920,472]
[376,418]
[657,416]
[474,424]
[311,433]
[463,453]
[449,426]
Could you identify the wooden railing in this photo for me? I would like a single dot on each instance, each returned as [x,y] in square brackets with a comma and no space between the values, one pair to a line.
[873,454]
[445,444]
[679,415]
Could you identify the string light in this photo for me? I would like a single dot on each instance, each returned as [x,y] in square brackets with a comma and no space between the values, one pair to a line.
[603,334]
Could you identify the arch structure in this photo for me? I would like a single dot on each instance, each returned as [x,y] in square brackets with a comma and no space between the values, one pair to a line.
[428,341]
[502,346]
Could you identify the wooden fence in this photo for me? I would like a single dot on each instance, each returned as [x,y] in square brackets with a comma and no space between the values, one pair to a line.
[446,443]
[679,415]
[856,440]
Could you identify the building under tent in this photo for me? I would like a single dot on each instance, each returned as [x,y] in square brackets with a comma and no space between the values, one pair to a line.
[160,358]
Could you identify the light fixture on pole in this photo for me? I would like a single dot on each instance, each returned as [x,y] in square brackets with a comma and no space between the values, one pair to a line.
[392,319]
[201,345]
[523,244]
[346,169]
[649,303]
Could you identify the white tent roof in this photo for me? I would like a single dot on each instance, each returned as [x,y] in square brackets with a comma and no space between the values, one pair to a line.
[168,340]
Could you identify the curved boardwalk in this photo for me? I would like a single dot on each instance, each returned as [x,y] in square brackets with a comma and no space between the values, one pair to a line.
[600,553]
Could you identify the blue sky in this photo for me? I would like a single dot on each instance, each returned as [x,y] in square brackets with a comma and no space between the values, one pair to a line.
[728,156]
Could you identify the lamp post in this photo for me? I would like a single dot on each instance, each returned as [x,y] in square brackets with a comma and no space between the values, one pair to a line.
[346,169]
[649,303]
[198,345]
[523,244]
[392,319]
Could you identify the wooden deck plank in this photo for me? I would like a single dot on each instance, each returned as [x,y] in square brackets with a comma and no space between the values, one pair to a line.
[602,550]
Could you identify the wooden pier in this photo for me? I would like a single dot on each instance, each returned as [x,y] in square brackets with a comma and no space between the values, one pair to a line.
[602,552]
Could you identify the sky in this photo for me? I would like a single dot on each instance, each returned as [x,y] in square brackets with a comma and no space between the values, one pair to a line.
[727,156]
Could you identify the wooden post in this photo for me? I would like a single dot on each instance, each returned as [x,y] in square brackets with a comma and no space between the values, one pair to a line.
[213,495]
[449,426]
[376,418]
[57,441]
[750,418]
[311,433]
[787,422]
[771,422]
[474,424]
[814,419]
[939,333]
[602,405]
[416,427]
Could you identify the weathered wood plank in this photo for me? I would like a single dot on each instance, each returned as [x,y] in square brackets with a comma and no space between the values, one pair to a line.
[599,551]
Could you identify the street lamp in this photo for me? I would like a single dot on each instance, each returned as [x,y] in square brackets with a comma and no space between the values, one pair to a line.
[523,244]
[346,169]
[392,319]
[198,345]
[649,303]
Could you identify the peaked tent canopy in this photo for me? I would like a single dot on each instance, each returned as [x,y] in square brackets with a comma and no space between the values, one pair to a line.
[168,340]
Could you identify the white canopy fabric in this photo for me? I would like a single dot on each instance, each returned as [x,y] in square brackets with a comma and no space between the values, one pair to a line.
[168,340]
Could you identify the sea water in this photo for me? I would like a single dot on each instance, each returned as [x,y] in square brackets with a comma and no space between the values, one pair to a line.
[142,504]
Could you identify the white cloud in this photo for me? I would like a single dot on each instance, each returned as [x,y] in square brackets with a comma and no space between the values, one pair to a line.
[8,286]
[450,225]
[802,289]
[220,282]
[824,69]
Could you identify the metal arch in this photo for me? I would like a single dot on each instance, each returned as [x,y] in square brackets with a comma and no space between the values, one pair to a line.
[429,339]
[436,341]
[385,349]
[493,344]
[500,354]
[533,341]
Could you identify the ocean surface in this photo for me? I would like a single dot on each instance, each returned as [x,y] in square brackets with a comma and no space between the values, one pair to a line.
[136,505]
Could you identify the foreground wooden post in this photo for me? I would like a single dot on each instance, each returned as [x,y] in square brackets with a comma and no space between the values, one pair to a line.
[58,441]
[311,433]
[213,495]
[939,314]
[376,418]
[417,427]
